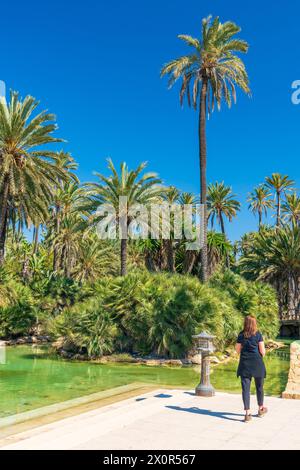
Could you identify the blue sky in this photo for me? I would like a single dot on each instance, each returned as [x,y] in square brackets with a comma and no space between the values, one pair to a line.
[96,65]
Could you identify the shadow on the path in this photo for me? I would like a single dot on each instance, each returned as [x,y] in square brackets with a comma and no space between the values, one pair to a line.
[162,395]
[215,414]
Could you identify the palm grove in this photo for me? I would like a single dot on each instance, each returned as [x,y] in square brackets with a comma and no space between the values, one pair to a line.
[145,296]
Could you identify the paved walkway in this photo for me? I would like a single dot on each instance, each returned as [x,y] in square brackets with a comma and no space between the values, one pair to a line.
[170,419]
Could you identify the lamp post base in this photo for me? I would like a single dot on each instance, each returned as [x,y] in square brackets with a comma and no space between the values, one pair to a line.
[205,391]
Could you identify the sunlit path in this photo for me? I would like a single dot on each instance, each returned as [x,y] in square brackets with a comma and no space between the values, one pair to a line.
[170,419]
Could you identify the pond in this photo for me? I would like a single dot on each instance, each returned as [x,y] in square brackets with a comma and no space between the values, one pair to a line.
[33,377]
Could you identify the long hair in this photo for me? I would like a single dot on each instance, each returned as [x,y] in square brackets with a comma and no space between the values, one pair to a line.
[250,326]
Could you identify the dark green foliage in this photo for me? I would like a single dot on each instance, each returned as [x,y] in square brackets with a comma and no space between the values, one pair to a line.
[251,298]
[86,328]
[158,313]
[18,315]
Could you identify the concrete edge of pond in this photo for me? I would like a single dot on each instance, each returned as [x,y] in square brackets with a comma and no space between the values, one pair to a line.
[20,422]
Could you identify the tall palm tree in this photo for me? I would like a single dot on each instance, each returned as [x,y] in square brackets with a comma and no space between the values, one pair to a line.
[281,184]
[27,171]
[70,198]
[260,201]
[291,209]
[94,258]
[130,184]
[219,250]
[190,256]
[66,163]
[221,203]
[170,197]
[209,74]
[66,243]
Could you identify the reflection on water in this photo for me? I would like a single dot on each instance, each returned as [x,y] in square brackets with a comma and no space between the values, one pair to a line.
[33,377]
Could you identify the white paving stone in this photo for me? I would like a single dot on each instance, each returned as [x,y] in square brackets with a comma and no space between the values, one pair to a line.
[170,419]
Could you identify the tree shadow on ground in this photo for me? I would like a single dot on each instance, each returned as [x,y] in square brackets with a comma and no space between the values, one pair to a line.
[216,414]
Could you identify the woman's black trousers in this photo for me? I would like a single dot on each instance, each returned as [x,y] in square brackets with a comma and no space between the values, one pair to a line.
[246,384]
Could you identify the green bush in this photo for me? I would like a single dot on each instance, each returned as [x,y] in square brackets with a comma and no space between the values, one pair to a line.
[18,315]
[251,298]
[158,313]
[86,328]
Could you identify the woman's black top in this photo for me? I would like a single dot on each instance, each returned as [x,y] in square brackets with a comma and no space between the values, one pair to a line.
[251,362]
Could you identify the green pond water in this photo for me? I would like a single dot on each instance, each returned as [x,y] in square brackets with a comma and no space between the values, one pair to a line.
[33,377]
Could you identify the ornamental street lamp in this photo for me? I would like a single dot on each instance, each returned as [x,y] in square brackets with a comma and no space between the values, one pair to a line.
[204,344]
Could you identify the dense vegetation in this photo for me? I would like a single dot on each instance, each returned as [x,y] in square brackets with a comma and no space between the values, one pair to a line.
[142,312]
[139,295]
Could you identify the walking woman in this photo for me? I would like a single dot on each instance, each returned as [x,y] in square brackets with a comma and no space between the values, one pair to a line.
[250,346]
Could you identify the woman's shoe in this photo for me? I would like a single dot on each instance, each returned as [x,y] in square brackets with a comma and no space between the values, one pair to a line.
[247,418]
[262,412]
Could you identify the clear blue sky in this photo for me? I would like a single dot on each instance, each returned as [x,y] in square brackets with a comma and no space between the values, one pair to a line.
[96,65]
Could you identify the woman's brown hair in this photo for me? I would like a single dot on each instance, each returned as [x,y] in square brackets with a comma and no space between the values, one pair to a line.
[250,326]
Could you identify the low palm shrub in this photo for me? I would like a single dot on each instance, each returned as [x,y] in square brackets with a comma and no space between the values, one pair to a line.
[18,313]
[251,298]
[158,313]
[86,328]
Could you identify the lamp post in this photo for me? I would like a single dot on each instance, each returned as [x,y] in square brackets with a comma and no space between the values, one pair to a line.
[204,344]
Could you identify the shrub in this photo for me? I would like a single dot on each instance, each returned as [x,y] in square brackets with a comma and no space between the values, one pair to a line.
[251,298]
[152,313]
[158,313]
[86,328]
[19,314]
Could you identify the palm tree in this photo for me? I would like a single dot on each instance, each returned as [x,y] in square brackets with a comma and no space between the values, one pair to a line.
[27,172]
[65,236]
[260,201]
[190,256]
[94,258]
[66,163]
[291,209]
[66,243]
[171,197]
[275,257]
[130,184]
[221,203]
[212,70]
[219,250]
[281,184]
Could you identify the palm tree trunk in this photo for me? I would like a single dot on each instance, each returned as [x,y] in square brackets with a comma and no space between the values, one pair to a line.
[169,255]
[203,184]
[35,239]
[3,240]
[3,220]
[55,251]
[189,261]
[222,225]
[259,220]
[278,210]
[149,261]
[223,231]
[123,256]
[20,228]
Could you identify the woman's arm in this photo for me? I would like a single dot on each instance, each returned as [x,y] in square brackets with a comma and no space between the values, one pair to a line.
[238,348]
[262,349]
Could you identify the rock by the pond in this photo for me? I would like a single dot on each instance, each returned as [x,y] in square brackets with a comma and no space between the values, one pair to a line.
[214,360]
[195,359]
[172,362]
[271,344]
